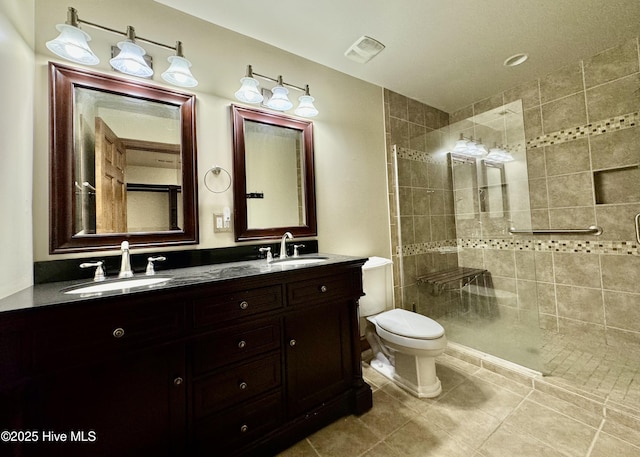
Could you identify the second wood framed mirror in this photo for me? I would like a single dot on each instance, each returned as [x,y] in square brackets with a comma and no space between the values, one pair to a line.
[274,188]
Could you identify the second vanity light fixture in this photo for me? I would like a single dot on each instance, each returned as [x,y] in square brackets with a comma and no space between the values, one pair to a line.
[72,44]
[279,101]
[470,147]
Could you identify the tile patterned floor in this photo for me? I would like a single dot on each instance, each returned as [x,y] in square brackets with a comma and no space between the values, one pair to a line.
[485,410]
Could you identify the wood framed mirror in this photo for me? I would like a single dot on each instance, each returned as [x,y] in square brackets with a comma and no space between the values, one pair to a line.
[122,163]
[274,189]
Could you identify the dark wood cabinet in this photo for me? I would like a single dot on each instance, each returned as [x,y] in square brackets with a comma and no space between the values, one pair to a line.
[243,366]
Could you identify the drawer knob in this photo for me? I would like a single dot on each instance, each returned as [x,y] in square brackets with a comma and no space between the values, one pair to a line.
[242,344]
[178,381]
[292,343]
[118,333]
[243,385]
[244,304]
[323,289]
[244,428]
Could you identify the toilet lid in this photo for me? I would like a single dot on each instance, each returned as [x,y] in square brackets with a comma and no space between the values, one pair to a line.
[412,325]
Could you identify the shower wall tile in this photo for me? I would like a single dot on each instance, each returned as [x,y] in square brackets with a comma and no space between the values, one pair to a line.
[538,193]
[406,229]
[622,310]
[570,190]
[560,83]
[546,293]
[433,118]
[421,201]
[536,166]
[613,99]
[438,228]
[616,149]
[527,295]
[570,157]
[436,203]
[576,269]
[500,262]
[415,112]
[405,195]
[533,123]
[488,104]
[621,273]
[398,105]
[619,221]
[461,114]
[544,266]
[622,338]
[419,173]
[528,92]
[573,218]
[404,172]
[595,333]
[564,113]
[422,228]
[399,132]
[612,64]
[525,265]
[417,137]
[580,303]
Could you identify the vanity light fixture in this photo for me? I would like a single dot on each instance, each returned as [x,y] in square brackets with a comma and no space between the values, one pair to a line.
[72,44]
[279,100]
[499,155]
[469,147]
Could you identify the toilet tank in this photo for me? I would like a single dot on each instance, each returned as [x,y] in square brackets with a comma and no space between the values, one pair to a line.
[377,284]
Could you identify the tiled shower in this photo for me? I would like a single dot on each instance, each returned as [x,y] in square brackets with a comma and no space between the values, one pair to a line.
[568,304]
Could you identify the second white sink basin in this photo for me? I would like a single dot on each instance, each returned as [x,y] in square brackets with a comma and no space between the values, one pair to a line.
[299,260]
[119,284]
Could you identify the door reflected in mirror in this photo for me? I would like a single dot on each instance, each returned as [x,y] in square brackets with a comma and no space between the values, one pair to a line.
[123,163]
[128,170]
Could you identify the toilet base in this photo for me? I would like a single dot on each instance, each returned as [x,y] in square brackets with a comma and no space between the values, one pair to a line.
[420,369]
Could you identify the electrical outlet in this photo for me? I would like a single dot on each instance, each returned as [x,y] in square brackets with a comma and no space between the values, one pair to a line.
[220,225]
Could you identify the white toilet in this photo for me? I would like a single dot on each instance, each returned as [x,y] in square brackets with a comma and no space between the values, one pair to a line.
[404,344]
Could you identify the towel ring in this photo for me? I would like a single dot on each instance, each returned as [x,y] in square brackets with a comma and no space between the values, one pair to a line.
[216,171]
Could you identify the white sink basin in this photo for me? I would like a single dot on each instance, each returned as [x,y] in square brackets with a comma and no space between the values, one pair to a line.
[119,284]
[299,260]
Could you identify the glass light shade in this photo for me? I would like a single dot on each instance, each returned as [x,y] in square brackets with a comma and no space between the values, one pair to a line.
[178,72]
[460,146]
[249,92]
[72,45]
[472,149]
[279,101]
[306,108]
[499,155]
[482,149]
[130,61]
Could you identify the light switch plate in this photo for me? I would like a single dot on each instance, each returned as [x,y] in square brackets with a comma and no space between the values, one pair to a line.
[219,224]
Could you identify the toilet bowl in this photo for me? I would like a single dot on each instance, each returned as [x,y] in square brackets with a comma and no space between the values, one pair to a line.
[404,344]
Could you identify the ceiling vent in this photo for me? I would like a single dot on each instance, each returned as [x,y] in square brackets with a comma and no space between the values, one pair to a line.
[364,49]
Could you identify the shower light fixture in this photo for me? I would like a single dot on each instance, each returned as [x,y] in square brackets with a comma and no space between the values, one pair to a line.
[72,44]
[279,100]
[499,155]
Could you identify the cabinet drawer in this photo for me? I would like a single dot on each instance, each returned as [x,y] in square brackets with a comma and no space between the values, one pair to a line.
[218,434]
[72,335]
[319,289]
[236,343]
[235,384]
[223,307]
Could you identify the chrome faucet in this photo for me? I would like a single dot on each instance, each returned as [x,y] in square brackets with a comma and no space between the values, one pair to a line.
[283,244]
[125,265]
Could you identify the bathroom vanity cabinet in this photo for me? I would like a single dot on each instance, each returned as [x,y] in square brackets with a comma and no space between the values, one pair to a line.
[244,366]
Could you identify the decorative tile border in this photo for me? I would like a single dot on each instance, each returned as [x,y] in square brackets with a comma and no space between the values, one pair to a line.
[520,244]
[598,128]
[418,156]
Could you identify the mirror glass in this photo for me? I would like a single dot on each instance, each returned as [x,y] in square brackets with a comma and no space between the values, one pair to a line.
[273,166]
[123,163]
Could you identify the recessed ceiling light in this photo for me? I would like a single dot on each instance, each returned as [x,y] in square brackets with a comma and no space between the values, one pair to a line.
[515,60]
[364,49]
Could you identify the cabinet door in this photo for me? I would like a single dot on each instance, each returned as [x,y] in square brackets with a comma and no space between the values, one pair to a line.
[129,406]
[318,351]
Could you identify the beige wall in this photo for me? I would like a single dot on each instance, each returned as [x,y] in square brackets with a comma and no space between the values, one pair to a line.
[349,132]
[16,118]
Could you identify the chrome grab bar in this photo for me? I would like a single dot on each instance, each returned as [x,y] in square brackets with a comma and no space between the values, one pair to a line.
[638,227]
[591,230]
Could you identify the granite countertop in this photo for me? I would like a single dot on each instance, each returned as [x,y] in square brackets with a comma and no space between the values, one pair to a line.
[53,293]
